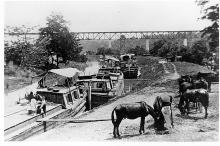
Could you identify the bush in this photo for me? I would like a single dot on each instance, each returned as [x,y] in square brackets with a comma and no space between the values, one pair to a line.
[195,54]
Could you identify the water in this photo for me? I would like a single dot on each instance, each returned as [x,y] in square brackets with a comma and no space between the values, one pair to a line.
[93,68]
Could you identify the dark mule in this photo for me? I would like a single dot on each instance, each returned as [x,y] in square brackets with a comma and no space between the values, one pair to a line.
[209,77]
[194,84]
[195,95]
[131,111]
[184,86]
[188,83]
[200,84]
[184,78]
[159,103]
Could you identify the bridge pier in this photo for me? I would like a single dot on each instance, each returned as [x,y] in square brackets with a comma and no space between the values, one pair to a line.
[109,44]
[147,45]
[185,42]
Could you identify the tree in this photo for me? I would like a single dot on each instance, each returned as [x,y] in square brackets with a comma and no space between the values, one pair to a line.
[156,46]
[211,13]
[199,51]
[138,50]
[16,48]
[62,43]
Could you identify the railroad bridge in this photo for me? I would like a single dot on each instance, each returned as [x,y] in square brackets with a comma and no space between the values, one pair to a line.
[122,35]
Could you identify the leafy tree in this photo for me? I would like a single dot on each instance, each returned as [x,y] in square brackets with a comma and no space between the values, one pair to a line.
[199,51]
[63,43]
[156,46]
[16,49]
[211,13]
[100,51]
[138,50]
[107,51]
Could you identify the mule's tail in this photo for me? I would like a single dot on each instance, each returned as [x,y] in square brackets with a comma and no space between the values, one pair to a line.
[112,116]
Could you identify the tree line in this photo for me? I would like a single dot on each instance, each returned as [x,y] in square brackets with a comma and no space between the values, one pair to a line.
[54,45]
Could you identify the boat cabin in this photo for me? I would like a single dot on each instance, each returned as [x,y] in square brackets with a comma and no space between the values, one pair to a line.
[57,86]
[109,61]
[100,84]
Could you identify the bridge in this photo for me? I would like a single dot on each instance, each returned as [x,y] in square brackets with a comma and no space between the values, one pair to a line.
[133,35]
[126,35]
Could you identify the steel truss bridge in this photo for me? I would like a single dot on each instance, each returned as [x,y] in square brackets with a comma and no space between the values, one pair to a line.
[133,35]
[123,35]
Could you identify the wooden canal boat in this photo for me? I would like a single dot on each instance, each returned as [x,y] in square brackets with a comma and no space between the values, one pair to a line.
[109,61]
[63,91]
[103,87]
[63,100]
[129,66]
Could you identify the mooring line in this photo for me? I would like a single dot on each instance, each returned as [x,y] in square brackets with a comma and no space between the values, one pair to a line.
[14,112]
[72,120]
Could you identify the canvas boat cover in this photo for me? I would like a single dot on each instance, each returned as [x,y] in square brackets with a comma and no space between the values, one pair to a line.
[111,58]
[66,72]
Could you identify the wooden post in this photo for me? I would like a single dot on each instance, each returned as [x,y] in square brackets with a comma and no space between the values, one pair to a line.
[88,100]
[45,126]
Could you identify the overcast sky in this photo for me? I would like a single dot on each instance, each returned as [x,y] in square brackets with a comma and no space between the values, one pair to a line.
[148,15]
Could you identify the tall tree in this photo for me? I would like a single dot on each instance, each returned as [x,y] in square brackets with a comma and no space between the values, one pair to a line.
[62,42]
[211,13]
[16,47]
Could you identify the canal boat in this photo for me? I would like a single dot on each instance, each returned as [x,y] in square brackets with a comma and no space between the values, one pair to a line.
[102,87]
[129,66]
[62,91]
[63,99]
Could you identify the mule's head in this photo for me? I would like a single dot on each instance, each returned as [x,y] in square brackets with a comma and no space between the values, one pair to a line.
[159,122]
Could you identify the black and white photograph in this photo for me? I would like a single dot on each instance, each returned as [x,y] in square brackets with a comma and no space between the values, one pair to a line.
[110,71]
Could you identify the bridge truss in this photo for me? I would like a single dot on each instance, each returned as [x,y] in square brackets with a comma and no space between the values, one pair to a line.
[134,35]
[123,35]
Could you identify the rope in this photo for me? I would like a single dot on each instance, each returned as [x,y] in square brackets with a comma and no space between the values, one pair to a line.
[14,112]
[72,120]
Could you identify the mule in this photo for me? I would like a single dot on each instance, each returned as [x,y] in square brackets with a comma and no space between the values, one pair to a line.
[209,77]
[190,83]
[159,103]
[131,111]
[195,95]
[184,86]
[200,84]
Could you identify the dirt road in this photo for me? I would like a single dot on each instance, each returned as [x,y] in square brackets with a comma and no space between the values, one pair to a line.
[187,128]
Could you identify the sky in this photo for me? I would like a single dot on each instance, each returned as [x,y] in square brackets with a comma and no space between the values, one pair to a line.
[90,16]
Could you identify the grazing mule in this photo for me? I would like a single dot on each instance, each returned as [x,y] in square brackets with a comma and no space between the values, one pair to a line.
[159,103]
[195,95]
[131,111]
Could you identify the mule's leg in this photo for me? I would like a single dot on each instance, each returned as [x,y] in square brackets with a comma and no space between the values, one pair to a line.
[142,125]
[206,113]
[171,116]
[187,107]
[114,130]
[118,121]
